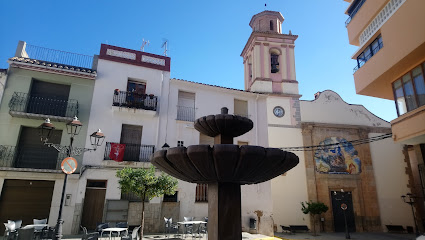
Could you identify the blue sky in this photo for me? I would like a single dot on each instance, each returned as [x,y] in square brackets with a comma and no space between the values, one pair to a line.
[205,37]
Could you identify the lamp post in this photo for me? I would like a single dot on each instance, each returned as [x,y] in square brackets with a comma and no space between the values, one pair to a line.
[410,199]
[344,208]
[73,128]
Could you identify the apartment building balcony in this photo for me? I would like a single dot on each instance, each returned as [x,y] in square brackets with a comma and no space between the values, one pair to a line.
[30,157]
[128,152]
[25,105]
[409,128]
[134,100]
[186,113]
[361,13]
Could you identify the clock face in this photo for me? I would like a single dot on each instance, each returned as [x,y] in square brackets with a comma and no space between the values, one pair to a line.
[278,111]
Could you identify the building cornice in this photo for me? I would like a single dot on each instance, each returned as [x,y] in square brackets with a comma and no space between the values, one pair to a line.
[53,70]
[266,35]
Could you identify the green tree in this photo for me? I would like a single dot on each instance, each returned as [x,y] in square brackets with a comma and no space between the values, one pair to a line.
[314,209]
[145,184]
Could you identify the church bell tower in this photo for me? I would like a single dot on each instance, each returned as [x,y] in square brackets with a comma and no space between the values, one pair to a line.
[268,56]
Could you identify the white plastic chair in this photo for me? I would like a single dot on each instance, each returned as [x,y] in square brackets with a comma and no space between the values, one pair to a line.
[10,227]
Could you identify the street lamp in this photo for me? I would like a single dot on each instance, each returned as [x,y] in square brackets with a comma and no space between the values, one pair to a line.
[344,208]
[410,199]
[73,128]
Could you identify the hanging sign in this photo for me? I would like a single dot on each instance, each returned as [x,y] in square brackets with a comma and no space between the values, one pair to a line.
[344,206]
[69,165]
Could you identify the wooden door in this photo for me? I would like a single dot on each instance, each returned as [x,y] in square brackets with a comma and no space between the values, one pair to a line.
[94,201]
[131,136]
[339,198]
[32,153]
[25,200]
[48,98]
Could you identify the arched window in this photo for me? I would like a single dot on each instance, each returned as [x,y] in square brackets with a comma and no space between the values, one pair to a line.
[271,25]
[274,62]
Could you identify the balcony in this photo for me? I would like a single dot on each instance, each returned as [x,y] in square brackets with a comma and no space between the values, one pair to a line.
[135,100]
[132,152]
[24,105]
[31,157]
[361,14]
[353,10]
[409,128]
[186,113]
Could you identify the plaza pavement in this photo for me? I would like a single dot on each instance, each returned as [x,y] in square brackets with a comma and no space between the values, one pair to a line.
[280,236]
[286,236]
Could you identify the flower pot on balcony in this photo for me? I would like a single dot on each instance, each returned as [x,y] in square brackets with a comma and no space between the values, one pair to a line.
[151,96]
[116,91]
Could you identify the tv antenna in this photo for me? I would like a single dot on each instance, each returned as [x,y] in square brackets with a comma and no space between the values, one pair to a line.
[144,43]
[164,45]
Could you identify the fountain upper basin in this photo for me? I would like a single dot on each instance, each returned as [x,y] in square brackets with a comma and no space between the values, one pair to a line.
[225,163]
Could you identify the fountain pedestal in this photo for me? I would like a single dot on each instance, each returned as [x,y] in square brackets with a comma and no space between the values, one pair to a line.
[224,211]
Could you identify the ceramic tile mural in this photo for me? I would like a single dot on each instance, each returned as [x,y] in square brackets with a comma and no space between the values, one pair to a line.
[339,158]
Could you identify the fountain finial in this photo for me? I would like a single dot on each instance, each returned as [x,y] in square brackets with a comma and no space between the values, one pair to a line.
[224,110]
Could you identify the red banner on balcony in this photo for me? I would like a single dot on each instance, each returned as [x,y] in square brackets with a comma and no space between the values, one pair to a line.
[117,152]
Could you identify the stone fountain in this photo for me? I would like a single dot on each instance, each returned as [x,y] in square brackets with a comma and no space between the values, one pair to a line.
[224,167]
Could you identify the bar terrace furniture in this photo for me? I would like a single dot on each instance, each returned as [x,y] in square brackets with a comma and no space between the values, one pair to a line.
[395,228]
[134,235]
[286,229]
[25,233]
[89,236]
[295,228]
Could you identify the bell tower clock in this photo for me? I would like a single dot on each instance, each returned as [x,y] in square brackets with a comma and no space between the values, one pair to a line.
[268,56]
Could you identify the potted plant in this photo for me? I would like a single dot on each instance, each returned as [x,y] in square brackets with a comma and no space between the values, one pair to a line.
[116,91]
[151,96]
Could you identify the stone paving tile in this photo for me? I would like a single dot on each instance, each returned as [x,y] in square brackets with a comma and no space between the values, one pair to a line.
[341,236]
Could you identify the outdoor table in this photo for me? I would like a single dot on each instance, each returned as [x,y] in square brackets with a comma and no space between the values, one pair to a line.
[111,230]
[191,222]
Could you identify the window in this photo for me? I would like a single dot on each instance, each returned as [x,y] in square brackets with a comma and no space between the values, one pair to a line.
[274,63]
[186,106]
[409,90]
[240,108]
[96,183]
[201,193]
[271,25]
[180,143]
[170,198]
[369,51]
[136,87]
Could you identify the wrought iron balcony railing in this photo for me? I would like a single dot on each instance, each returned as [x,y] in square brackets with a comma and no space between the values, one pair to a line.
[132,152]
[135,100]
[186,113]
[42,107]
[57,56]
[35,157]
